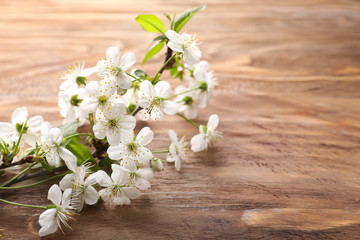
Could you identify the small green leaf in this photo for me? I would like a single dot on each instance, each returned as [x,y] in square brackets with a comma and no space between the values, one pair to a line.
[69,128]
[161,37]
[82,153]
[151,23]
[46,166]
[152,51]
[141,74]
[185,17]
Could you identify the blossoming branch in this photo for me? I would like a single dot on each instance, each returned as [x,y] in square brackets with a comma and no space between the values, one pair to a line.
[122,165]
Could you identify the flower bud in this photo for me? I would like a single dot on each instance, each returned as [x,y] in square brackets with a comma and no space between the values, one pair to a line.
[157,165]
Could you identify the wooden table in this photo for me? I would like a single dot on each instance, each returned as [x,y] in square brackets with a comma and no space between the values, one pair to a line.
[288,100]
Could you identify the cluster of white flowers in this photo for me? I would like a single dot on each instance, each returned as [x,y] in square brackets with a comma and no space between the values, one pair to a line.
[110,104]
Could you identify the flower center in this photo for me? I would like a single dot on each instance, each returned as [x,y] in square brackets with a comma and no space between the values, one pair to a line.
[75,101]
[102,99]
[132,147]
[112,123]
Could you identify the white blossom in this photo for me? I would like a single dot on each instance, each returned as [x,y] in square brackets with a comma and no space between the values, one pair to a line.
[190,102]
[69,102]
[50,144]
[139,177]
[186,44]
[116,191]
[205,79]
[153,100]
[112,123]
[11,131]
[98,95]
[131,150]
[207,135]
[114,68]
[81,185]
[51,219]
[74,74]
[177,150]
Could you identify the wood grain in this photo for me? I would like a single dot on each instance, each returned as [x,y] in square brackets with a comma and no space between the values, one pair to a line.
[288,100]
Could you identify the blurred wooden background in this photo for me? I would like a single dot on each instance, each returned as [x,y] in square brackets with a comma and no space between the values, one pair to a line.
[288,100]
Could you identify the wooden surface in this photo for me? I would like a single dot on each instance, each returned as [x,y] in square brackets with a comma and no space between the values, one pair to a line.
[288,100]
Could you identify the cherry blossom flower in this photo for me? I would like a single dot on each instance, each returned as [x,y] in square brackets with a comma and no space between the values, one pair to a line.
[98,95]
[50,144]
[11,131]
[82,189]
[190,102]
[114,68]
[205,79]
[207,135]
[186,44]
[69,102]
[112,123]
[153,101]
[116,191]
[61,212]
[139,177]
[75,76]
[131,150]
[177,150]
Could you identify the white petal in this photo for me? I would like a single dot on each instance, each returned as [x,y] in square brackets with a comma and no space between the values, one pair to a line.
[34,123]
[55,194]
[113,55]
[198,143]
[162,89]
[127,137]
[144,155]
[102,178]
[45,129]
[172,35]
[142,183]
[66,197]
[113,137]
[69,158]
[157,113]
[47,217]
[48,229]
[56,135]
[192,57]
[19,116]
[131,192]
[119,176]
[127,123]
[191,112]
[146,173]
[129,164]
[213,122]
[178,164]
[175,46]
[173,136]
[90,180]
[31,138]
[143,115]
[66,181]
[87,72]
[147,87]
[91,195]
[7,129]
[171,107]
[116,152]
[145,136]
[124,80]
[99,130]
[127,60]
[89,105]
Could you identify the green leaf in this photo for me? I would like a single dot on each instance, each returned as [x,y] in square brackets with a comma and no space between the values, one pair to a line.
[82,153]
[152,51]
[185,17]
[161,37]
[151,23]
[69,128]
